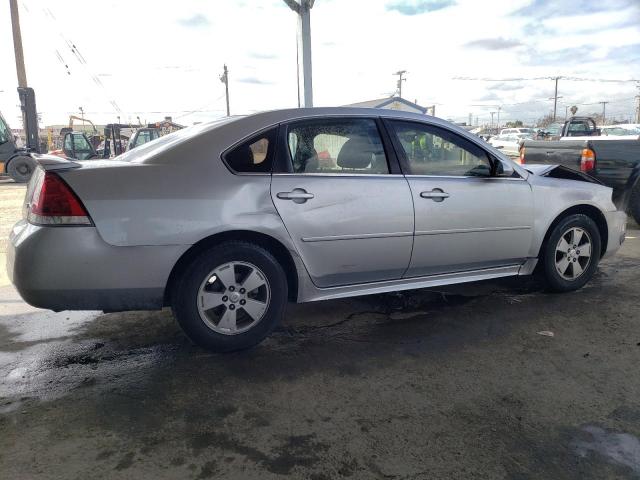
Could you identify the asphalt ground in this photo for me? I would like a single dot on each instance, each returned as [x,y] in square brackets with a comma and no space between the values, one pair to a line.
[496,380]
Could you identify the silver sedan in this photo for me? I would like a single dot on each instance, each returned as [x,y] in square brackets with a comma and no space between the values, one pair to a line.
[227,221]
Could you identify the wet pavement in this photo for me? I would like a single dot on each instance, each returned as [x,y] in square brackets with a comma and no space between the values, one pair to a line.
[421,385]
[458,384]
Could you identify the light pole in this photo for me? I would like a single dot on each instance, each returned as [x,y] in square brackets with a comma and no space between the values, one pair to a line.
[224,78]
[303,9]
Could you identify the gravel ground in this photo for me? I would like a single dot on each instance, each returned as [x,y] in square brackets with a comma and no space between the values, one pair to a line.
[11,199]
[496,380]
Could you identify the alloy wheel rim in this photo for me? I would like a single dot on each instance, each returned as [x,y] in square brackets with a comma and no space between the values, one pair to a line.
[233,298]
[573,253]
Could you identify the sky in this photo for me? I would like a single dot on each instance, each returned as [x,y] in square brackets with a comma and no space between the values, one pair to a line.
[157,58]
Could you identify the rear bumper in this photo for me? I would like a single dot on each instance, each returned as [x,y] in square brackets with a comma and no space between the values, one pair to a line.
[617,224]
[72,268]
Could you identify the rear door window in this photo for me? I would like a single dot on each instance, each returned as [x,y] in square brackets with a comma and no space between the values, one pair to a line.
[336,146]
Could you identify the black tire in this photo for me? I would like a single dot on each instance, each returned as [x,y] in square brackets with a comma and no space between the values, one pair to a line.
[555,280]
[634,203]
[21,168]
[185,296]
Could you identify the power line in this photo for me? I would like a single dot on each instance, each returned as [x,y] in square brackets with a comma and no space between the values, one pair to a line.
[530,79]
[48,14]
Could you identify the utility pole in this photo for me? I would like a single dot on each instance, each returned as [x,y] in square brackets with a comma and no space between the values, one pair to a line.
[27,95]
[492,114]
[400,74]
[555,97]
[498,121]
[224,78]
[638,107]
[17,44]
[604,107]
[303,9]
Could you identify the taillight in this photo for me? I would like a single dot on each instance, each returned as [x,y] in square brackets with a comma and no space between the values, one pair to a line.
[587,160]
[54,203]
[521,157]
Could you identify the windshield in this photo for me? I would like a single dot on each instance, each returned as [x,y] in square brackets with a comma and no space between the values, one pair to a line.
[5,132]
[554,128]
[147,150]
[620,131]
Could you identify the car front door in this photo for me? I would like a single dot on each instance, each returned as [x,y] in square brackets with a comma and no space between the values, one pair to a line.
[467,216]
[344,201]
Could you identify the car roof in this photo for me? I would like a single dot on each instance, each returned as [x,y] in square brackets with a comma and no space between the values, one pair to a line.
[244,125]
[231,130]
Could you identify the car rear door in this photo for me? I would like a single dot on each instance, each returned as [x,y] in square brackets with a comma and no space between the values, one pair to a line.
[343,200]
[465,218]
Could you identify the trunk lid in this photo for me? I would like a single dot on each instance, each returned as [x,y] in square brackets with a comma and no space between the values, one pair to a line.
[53,162]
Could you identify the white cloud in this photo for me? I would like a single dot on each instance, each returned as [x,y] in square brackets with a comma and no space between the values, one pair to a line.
[153,62]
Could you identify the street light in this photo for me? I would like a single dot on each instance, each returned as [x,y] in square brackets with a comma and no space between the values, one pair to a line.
[303,9]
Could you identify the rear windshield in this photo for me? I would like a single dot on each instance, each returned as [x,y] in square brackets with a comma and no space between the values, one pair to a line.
[146,151]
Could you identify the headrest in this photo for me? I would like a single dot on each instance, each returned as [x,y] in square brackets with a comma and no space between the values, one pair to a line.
[357,152]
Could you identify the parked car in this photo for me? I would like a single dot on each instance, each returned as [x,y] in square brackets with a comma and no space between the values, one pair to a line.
[509,143]
[550,131]
[573,127]
[300,205]
[614,161]
[524,130]
[621,130]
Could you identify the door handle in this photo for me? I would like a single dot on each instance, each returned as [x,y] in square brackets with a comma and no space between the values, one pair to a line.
[437,195]
[298,195]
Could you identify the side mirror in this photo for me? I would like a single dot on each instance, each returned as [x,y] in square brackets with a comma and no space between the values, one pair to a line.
[504,169]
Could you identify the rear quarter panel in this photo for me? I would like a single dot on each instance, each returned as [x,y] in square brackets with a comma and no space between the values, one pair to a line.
[180,196]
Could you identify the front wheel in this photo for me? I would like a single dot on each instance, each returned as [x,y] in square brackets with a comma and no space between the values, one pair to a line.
[571,254]
[230,297]
[634,203]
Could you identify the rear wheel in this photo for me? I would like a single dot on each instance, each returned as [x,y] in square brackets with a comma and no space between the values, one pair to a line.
[21,168]
[571,253]
[634,203]
[230,297]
